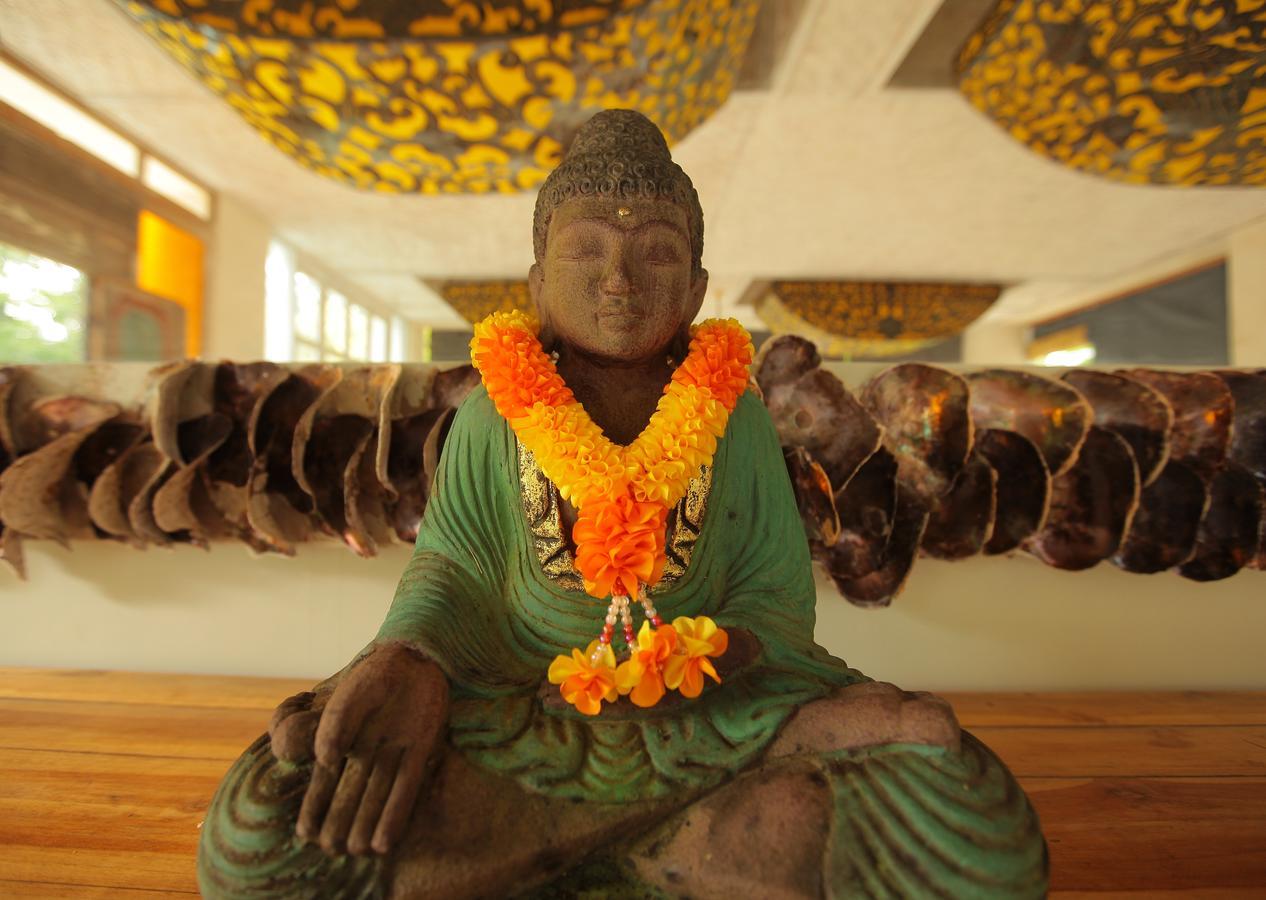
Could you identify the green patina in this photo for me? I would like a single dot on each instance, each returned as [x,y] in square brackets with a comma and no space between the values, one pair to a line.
[475,599]
[905,820]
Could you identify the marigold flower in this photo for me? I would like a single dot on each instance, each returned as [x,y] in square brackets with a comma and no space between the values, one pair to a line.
[642,675]
[583,682]
[697,639]
[623,493]
[620,544]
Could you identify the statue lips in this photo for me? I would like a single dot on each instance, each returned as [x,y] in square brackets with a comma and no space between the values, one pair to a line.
[620,315]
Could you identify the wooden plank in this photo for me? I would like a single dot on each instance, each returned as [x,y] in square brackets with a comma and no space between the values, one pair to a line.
[974,709]
[45,890]
[172,731]
[147,687]
[134,869]
[102,821]
[1152,835]
[977,709]
[1202,894]
[1144,751]
[199,732]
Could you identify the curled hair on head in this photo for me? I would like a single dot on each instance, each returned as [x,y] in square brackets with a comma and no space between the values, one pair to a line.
[619,154]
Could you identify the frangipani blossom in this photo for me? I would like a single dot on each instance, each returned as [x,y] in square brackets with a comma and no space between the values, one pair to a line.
[585,683]
[697,639]
[642,675]
[623,494]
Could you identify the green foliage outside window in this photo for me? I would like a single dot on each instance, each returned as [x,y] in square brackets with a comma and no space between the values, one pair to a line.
[43,309]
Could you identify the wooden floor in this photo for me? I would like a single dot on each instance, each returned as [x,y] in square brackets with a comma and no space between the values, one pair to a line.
[105,776]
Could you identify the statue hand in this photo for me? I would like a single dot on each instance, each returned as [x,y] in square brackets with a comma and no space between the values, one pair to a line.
[372,737]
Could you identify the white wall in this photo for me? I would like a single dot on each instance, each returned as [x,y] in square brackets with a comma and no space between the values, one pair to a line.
[990,343]
[1246,295]
[990,624]
[233,317]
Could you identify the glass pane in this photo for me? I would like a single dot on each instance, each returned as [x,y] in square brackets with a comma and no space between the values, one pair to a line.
[336,322]
[307,352]
[397,339]
[278,315]
[43,309]
[64,118]
[378,339]
[358,333]
[307,307]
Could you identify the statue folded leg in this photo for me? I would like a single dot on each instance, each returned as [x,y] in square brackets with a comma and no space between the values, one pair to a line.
[869,792]
[473,834]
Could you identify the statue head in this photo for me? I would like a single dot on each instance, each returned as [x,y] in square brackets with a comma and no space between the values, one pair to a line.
[618,238]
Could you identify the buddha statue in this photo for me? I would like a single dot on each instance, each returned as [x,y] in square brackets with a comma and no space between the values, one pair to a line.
[511,732]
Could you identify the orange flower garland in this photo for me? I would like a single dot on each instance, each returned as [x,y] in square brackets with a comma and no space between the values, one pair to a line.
[622,494]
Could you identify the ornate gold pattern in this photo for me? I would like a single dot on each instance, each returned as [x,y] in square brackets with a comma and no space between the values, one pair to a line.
[379,19]
[873,318]
[476,300]
[543,507]
[1146,91]
[447,96]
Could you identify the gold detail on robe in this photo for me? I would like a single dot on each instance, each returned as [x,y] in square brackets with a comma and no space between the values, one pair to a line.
[543,507]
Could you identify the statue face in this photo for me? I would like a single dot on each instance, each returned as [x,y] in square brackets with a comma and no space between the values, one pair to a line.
[616,281]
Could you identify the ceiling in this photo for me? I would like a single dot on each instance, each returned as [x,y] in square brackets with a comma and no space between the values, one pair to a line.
[827,173]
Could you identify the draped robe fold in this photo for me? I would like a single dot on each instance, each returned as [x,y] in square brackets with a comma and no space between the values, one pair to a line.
[474,598]
[905,820]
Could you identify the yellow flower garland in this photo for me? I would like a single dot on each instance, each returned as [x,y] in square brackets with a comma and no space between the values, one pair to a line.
[622,494]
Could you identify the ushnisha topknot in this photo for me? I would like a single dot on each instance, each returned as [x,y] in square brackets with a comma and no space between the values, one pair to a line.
[621,154]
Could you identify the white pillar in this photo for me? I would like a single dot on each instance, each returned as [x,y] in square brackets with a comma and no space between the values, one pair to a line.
[233,317]
[995,343]
[1246,295]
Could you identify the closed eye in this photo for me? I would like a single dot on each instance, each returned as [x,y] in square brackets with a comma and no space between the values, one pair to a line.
[663,254]
[581,250]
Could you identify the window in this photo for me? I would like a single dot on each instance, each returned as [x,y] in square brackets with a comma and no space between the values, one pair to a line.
[306,321]
[42,103]
[43,309]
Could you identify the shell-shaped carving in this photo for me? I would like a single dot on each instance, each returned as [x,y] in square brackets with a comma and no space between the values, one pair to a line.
[40,496]
[1163,532]
[274,455]
[1138,413]
[780,363]
[1202,406]
[277,508]
[814,497]
[1227,539]
[867,508]
[1022,488]
[895,560]
[1091,504]
[961,521]
[1054,416]
[1248,420]
[266,454]
[10,378]
[812,409]
[923,412]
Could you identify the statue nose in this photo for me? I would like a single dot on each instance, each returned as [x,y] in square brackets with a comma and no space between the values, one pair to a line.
[616,281]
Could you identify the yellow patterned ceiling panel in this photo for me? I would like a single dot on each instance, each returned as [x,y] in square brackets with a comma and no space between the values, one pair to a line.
[1142,91]
[873,318]
[430,96]
[476,300]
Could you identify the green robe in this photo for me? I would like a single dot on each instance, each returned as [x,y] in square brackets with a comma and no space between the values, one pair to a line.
[475,599]
[907,820]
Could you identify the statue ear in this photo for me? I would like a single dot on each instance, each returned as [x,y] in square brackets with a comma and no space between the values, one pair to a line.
[698,289]
[536,283]
[536,278]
